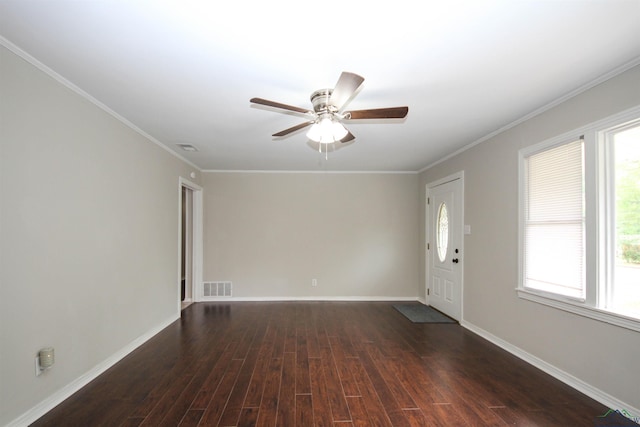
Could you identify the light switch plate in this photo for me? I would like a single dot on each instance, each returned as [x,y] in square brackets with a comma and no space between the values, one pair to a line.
[38,370]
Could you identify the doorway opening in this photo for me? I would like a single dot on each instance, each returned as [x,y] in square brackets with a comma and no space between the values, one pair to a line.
[190,242]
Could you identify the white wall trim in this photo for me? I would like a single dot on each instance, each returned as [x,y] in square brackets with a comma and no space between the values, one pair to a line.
[63,81]
[312,172]
[197,256]
[603,78]
[315,298]
[587,307]
[448,178]
[27,57]
[65,392]
[52,401]
[576,383]
[579,308]
[427,237]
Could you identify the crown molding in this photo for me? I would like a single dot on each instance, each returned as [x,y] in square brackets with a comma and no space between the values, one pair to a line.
[63,81]
[603,78]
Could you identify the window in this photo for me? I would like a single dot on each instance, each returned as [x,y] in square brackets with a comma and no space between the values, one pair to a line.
[554,220]
[623,149]
[580,221]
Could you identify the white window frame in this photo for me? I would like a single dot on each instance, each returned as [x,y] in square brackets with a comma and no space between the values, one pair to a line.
[597,219]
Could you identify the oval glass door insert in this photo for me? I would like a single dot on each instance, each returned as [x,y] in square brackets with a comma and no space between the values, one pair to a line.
[442,231]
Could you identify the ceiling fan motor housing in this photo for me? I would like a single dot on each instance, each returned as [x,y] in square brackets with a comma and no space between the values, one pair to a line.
[320,100]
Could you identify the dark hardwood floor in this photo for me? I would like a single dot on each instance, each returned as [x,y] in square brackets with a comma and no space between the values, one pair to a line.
[323,364]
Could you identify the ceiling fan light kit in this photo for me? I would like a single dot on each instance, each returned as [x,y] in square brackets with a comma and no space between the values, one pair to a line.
[326,130]
[326,125]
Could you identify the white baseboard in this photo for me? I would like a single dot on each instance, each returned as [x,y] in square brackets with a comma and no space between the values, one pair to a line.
[52,401]
[317,298]
[576,383]
[58,397]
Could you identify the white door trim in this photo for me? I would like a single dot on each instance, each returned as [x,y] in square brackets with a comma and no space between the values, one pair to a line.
[458,175]
[196,250]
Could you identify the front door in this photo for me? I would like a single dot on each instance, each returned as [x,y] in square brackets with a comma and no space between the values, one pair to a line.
[445,247]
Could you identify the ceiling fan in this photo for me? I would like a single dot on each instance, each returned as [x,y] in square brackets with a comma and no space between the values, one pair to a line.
[327,115]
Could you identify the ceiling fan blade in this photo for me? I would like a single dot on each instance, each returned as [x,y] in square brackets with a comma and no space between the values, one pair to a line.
[347,85]
[279,105]
[378,113]
[348,138]
[293,129]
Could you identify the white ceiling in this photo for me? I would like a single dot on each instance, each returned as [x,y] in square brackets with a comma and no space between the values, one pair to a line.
[184,71]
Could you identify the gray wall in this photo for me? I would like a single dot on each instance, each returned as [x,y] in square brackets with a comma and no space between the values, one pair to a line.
[601,355]
[88,238]
[272,233]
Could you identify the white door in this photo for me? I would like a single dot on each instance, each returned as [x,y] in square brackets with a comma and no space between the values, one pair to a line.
[445,247]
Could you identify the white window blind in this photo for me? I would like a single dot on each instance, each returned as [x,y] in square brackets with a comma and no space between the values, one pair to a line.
[554,221]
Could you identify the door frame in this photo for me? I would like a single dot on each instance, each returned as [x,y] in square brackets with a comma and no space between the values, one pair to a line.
[196,239]
[427,254]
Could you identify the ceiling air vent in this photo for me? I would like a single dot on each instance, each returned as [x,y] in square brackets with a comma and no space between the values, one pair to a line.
[187,147]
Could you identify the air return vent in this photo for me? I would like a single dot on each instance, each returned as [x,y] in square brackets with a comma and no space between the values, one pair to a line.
[217,289]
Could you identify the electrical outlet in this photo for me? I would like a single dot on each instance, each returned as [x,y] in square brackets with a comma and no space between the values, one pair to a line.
[314,282]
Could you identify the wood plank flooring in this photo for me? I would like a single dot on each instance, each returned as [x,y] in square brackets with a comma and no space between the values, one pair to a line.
[320,364]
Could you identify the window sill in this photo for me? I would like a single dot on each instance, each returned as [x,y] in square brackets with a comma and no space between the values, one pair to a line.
[580,309]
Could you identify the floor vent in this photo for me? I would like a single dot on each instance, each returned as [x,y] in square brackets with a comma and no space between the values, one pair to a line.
[217,289]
